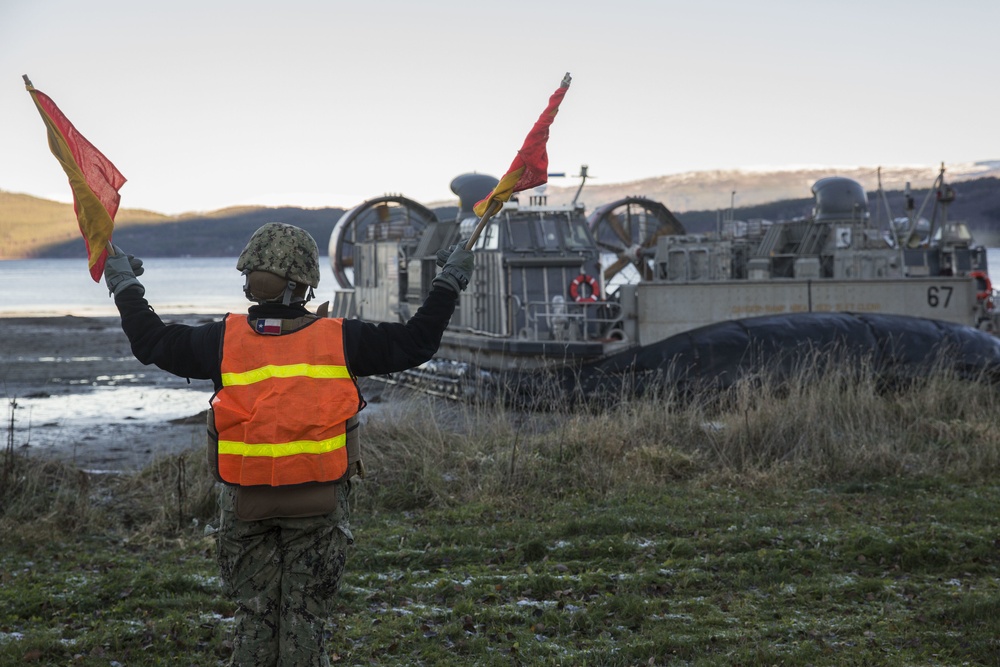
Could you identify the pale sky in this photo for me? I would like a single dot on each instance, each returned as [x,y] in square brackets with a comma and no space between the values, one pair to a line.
[204,104]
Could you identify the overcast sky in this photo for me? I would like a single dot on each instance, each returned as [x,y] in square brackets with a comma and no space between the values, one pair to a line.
[204,104]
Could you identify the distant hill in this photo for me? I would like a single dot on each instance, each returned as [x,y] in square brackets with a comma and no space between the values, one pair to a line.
[33,227]
[219,234]
[713,190]
[28,225]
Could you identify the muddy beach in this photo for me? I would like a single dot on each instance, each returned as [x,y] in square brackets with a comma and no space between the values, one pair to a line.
[72,390]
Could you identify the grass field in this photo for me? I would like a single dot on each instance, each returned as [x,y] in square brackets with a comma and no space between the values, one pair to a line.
[719,533]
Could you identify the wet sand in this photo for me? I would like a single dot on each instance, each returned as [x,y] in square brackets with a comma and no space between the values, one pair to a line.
[75,392]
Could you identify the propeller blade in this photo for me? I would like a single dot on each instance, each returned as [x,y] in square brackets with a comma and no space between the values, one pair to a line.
[616,249]
[616,227]
[613,270]
[651,241]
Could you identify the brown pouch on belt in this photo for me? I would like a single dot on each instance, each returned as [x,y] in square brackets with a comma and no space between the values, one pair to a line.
[254,503]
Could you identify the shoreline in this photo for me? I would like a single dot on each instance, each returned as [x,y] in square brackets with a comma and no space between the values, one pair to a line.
[73,391]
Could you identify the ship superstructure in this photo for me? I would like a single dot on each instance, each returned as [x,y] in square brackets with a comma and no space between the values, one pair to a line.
[555,288]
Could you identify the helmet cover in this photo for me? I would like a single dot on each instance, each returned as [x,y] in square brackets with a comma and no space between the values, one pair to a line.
[284,250]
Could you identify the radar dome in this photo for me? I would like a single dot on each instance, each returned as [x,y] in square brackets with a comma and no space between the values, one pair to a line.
[839,198]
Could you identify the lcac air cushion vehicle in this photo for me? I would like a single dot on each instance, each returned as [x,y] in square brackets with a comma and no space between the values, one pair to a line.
[627,290]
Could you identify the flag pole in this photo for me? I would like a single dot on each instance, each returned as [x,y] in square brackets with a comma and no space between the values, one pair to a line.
[492,210]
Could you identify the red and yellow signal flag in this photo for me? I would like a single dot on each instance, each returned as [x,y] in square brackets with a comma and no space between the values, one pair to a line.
[94,179]
[531,164]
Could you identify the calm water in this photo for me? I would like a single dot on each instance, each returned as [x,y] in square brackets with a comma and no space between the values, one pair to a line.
[53,287]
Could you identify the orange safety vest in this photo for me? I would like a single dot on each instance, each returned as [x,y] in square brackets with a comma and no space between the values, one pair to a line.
[281,414]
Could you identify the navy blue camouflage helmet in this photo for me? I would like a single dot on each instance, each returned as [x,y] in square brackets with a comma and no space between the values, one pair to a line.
[284,250]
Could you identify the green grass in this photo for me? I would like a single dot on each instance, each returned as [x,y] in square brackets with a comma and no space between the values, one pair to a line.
[831,524]
[91,601]
[898,572]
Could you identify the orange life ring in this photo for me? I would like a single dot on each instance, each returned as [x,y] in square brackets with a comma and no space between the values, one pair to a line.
[984,288]
[590,282]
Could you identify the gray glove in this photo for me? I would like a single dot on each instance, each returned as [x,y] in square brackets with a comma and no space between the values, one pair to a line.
[444,253]
[457,270]
[120,271]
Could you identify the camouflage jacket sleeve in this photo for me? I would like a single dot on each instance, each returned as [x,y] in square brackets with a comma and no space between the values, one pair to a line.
[389,347]
[186,351]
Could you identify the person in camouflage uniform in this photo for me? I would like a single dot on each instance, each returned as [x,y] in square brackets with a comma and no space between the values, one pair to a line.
[282,548]
[283,573]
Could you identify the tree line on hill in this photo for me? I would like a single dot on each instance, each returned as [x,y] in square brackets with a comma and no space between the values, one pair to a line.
[224,235]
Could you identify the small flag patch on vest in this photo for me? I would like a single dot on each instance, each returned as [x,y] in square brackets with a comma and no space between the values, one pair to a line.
[269,326]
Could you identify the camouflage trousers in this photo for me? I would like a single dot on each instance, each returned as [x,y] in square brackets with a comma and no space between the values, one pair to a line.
[282,573]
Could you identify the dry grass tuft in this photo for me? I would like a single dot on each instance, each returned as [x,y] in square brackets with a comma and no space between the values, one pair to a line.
[52,498]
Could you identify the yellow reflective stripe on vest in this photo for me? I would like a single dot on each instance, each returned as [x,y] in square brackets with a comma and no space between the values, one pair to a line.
[290,371]
[282,449]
